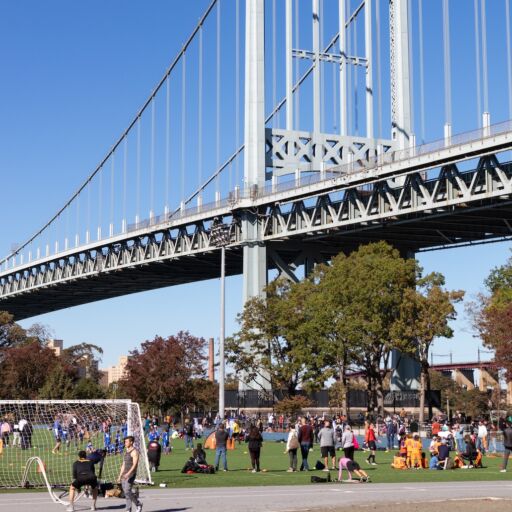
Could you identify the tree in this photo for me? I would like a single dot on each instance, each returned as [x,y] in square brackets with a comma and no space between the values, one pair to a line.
[24,370]
[292,405]
[11,334]
[87,389]
[82,356]
[492,316]
[362,300]
[270,348]
[426,311]
[159,374]
[58,385]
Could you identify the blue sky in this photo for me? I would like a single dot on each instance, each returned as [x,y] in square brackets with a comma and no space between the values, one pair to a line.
[74,75]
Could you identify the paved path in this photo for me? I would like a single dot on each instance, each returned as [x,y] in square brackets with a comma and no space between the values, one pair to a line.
[278,499]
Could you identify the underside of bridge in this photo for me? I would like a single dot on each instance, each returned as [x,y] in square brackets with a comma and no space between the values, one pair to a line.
[410,234]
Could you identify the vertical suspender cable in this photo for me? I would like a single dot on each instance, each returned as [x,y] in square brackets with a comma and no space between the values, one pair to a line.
[484,57]
[477,64]
[125,170]
[183,122]
[350,70]
[316,67]
[200,112]
[342,11]
[112,172]
[447,65]
[237,87]
[289,66]
[422,76]
[89,185]
[77,230]
[356,89]
[297,69]
[369,67]
[137,213]
[152,162]
[509,58]
[168,142]
[378,70]
[100,206]
[322,68]
[217,127]
[411,64]
[274,63]
[334,100]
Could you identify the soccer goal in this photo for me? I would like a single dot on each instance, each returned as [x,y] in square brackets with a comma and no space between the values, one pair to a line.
[53,431]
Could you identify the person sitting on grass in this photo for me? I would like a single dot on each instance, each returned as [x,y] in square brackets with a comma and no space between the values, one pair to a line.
[199,454]
[351,467]
[83,474]
[470,454]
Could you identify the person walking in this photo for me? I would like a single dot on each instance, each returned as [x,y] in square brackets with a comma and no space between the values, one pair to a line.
[128,473]
[292,445]
[347,443]
[221,439]
[305,436]
[371,442]
[507,444]
[255,441]
[326,439]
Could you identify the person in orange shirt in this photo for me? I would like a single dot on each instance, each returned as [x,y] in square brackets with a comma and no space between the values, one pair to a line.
[416,448]
[408,448]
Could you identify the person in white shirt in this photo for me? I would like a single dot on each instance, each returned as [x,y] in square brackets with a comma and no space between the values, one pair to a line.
[481,441]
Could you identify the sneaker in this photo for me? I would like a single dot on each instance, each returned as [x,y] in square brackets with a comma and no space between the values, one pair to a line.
[224,470]
[367,461]
[289,470]
[139,508]
[325,469]
[93,507]
[503,470]
[374,463]
[253,471]
[71,508]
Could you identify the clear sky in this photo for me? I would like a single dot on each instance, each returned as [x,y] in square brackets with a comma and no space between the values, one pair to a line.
[73,76]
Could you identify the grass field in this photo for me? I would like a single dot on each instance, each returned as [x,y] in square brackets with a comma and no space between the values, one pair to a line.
[274,464]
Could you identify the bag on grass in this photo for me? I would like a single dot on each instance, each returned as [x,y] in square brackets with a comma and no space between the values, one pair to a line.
[319,465]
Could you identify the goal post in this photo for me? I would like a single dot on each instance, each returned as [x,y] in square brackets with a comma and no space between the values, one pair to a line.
[55,430]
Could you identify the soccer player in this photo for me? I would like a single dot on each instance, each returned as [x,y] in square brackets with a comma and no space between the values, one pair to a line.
[83,474]
[57,432]
[128,472]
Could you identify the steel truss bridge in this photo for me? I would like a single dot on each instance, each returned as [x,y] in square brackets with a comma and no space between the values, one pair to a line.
[328,162]
[301,222]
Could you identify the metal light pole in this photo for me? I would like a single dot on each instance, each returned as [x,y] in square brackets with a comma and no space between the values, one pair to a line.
[220,236]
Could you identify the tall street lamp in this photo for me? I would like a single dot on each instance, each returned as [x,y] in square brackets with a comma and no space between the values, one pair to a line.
[220,236]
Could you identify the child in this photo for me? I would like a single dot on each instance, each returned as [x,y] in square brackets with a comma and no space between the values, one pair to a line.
[408,447]
[199,454]
[416,448]
[351,467]
[371,441]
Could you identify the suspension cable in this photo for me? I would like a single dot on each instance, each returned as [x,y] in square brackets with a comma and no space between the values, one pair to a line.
[477,63]
[168,141]
[422,76]
[483,20]
[509,58]
[378,71]
[183,122]
[217,100]
[447,64]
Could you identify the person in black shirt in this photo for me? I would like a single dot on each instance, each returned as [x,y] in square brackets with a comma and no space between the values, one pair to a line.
[83,474]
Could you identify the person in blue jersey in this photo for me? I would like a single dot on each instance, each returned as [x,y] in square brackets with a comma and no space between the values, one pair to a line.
[153,434]
[106,440]
[166,441]
[97,457]
[57,434]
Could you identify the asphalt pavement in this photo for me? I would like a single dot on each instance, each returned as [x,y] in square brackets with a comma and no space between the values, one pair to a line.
[275,498]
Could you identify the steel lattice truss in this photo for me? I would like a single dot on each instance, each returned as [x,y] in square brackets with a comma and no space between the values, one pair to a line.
[432,207]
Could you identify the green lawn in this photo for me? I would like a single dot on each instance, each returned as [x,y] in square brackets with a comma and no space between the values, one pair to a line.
[274,464]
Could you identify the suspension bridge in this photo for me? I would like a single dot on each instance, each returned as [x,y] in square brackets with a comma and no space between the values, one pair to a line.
[295,130]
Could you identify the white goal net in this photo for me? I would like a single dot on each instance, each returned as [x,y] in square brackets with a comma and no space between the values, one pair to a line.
[55,430]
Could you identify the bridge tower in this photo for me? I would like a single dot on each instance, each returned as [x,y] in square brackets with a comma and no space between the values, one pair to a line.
[259,166]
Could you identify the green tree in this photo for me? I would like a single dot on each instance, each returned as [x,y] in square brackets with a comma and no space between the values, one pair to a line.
[58,385]
[293,405]
[362,297]
[82,355]
[11,334]
[88,389]
[426,312]
[269,348]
